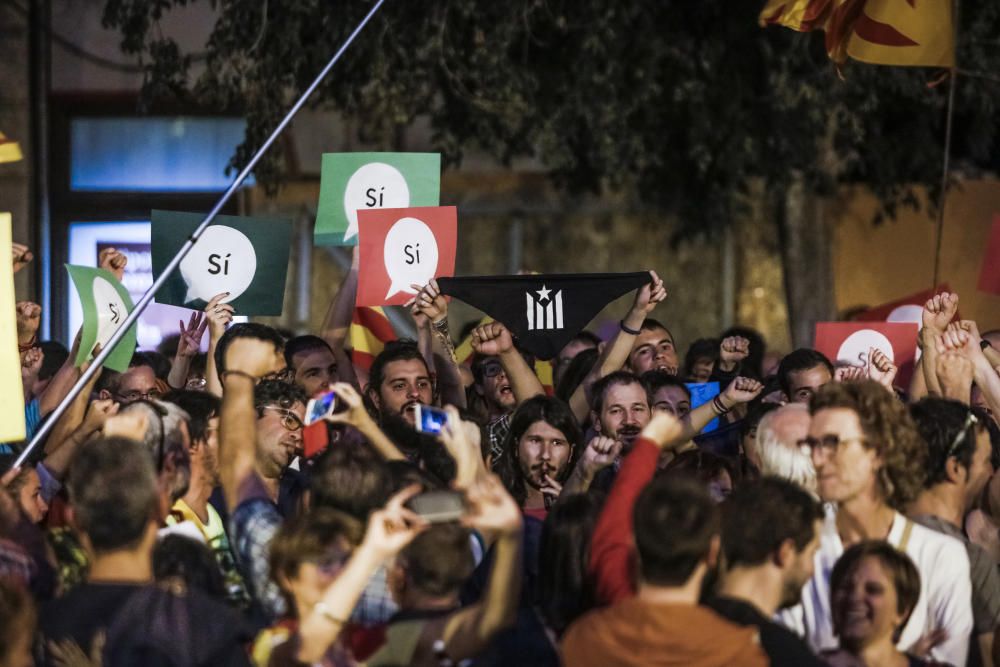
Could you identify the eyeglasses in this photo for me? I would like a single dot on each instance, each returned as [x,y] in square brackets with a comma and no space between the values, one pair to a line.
[136,395]
[284,375]
[962,435]
[827,444]
[289,419]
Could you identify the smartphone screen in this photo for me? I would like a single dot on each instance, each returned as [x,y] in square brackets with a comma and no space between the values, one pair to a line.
[320,407]
[438,506]
[431,420]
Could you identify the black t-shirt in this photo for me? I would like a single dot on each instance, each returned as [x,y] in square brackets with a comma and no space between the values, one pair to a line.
[87,609]
[783,647]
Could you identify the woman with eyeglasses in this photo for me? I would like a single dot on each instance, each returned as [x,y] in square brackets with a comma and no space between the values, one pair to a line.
[874,588]
[870,464]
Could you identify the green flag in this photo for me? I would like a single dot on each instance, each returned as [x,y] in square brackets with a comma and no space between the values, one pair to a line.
[246,257]
[106,303]
[353,181]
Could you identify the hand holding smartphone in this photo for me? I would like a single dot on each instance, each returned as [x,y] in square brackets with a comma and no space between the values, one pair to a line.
[430,419]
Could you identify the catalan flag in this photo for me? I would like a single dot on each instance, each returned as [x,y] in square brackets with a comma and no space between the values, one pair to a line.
[10,151]
[882,32]
[370,331]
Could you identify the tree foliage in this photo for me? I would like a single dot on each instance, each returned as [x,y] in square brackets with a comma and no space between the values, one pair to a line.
[686,102]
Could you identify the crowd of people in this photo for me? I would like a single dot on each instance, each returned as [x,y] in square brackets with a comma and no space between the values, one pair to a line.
[188,511]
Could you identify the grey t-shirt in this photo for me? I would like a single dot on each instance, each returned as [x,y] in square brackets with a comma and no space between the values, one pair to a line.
[985,576]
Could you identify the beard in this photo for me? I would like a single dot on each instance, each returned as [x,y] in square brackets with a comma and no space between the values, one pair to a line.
[534,476]
[627,435]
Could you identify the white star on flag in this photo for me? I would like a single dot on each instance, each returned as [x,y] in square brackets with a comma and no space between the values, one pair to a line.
[543,293]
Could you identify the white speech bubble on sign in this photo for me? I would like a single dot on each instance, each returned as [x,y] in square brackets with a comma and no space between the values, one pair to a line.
[854,349]
[375,185]
[223,260]
[111,309]
[410,255]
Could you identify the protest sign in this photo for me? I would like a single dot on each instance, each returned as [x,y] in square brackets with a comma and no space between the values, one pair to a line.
[543,311]
[351,182]
[848,343]
[907,309]
[105,303]
[989,275]
[247,257]
[12,428]
[400,247]
[701,393]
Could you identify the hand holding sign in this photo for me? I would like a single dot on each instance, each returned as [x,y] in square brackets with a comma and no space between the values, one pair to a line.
[401,248]
[852,344]
[106,304]
[223,260]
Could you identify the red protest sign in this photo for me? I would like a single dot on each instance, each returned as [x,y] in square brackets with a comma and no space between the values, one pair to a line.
[848,343]
[399,247]
[907,309]
[989,275]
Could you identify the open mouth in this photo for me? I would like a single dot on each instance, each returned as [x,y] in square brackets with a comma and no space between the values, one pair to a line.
[628,433]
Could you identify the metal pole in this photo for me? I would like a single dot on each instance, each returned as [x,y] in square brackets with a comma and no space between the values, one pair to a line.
[186,248]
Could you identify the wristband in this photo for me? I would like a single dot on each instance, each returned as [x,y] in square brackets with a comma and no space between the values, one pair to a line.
[718,406]
[626,329]
[30,344]
[224,374]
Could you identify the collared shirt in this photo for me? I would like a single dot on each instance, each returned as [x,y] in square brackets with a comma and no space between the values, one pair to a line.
[945,590]
[496,433]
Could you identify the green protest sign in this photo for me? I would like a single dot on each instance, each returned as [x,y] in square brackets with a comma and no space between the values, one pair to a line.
[247,257]
[105,303]
[353,181]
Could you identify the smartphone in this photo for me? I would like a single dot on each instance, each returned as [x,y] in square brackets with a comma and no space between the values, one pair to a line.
[438,506]
[322,406]
[430,419]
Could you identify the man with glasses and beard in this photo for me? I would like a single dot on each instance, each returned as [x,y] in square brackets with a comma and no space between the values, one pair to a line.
[281,411]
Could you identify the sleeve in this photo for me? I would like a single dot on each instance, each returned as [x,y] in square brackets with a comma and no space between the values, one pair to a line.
[950,602]
[611,545]
[32,418]
[253,526]
[50,485]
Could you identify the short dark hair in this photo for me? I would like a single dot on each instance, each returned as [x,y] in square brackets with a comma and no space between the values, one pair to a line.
[675,521]
[703,348]
[245,330]
[798,360]
[656,380]
[759,516]
[403,349]
[553,412]
[56,355]
[304,343]
[889,431]
[277,393]
[941,423]
[200,407]
[600,389]
[584,336]
[110,380]
[576,372]
[904,574]
[350,479]
[439,560]
[181,557]
[651,325]
[113,492]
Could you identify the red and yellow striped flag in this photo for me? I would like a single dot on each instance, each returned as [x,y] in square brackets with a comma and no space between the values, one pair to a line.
[370,331]
[881,32]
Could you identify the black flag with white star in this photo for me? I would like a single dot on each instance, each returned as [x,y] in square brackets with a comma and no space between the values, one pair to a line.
[544,312]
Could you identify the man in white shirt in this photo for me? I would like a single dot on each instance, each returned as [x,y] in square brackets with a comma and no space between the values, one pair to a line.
[870,461]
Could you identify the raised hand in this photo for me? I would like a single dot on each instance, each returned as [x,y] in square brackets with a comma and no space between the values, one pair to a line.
[20,256]
[131,425]
[429,305]
[218,315]
[880,367]
[31,364]
[732,351]
[955,372]
[191,335]
[492,340]
[665,430]
[463,440]
[391,528]
[355,414]
[601,452]
[98,413]
[849,374]
[29,318]
[939,311]
[649,295]
[253,356]
[741,390]
[490,509]
[113,261]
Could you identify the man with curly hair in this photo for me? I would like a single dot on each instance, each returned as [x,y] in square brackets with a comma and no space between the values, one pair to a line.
[870,464]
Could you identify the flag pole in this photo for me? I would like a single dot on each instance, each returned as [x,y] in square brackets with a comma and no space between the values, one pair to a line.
[186,248]
[949,117]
